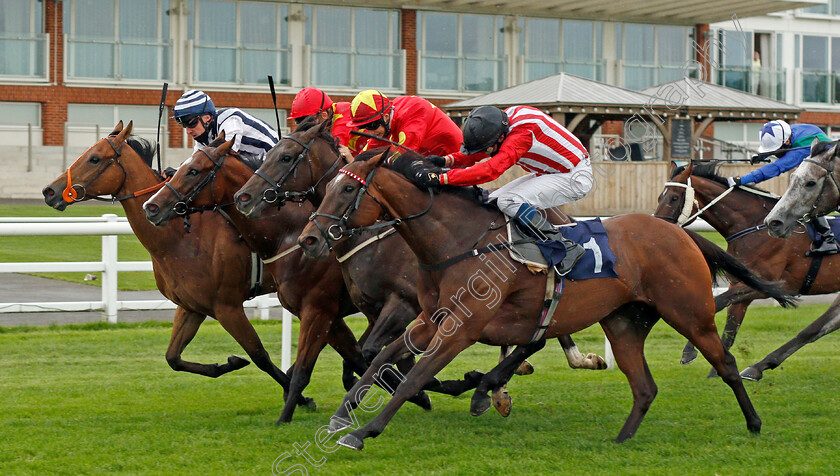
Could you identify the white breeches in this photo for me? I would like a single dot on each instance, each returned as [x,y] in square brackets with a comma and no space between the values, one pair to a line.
[545,191]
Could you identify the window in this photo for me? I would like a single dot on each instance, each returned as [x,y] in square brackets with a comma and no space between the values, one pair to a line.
[461,53]
[122,40]
[815,73]
[20,114]
[355,48]
[831,7]
[268,116]
[90,122]
[654,54]
[23,44]
[547,50]
[239,42]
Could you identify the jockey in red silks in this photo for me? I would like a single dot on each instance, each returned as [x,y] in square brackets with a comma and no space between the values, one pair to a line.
[559,166]
[410,121]
[314,103]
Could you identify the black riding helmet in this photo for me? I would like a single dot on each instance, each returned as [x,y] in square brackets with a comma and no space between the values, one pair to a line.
[482,129]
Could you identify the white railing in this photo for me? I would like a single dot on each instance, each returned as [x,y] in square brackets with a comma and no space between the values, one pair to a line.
[108,226]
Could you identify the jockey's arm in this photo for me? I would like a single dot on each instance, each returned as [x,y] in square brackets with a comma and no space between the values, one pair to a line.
[514,146]
[786,162]
[414,126]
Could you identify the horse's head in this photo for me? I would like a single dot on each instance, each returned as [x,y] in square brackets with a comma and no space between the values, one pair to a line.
[676,203]
[293,169]
[813,190]
[91,174]
[188,187]
[347,204]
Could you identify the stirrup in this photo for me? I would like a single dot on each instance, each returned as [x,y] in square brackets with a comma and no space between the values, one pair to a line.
[563,267]
[826,248]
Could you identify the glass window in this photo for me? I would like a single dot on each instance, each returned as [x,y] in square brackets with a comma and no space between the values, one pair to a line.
[20,114]
[461,52]
[821,9]
[355,47]
[22,40]
[815,73]
[117,39]
[654,54]
[239,42]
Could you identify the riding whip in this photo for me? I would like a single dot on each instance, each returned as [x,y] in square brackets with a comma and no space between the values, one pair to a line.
[160,117]
[274,98]
[374,137]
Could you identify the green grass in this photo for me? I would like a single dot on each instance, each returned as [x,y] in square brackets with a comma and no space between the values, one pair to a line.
[74,248]
[101,399]
[89,248]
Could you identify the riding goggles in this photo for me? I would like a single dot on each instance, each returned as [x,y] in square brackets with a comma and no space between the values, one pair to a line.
[188,121]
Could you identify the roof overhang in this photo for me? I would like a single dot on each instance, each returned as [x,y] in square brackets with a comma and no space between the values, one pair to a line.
[666,12]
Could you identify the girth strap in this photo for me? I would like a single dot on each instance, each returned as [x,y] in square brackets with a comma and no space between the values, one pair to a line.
[256,276]
[816,263]
[553,291]
[741,233]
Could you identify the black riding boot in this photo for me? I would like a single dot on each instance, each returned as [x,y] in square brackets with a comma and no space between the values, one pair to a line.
[827,243]
[541,228]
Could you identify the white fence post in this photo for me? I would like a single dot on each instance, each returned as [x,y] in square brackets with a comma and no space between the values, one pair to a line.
[263,307]
[286,345]
[109,275]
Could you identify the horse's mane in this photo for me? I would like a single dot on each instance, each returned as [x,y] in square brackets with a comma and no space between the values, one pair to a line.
[402,165]
[325,134]
[822,147]
[144,148]
[710,171]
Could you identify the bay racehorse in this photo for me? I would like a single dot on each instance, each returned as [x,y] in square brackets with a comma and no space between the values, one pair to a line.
[314,290]
[738,215]
[190,268]
[299,168]
[663,272]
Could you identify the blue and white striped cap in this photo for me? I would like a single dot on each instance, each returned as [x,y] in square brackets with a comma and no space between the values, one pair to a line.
[194,103]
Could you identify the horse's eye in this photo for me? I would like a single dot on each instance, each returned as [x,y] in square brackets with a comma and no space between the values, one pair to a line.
[192,172]
[286,158]
[674,198]
[349,188]
[811,183]
[94,159]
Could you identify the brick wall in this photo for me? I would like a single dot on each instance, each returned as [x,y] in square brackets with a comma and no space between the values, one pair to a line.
[408,42]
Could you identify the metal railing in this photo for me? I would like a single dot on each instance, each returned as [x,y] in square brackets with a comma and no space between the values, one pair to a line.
[820,87]
[113,52]
[766,82]
[34,62]
[540,67]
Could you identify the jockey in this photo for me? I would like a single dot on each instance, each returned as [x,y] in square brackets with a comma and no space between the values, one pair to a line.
[778,137]
[559,166]
[312,102]
[407,120]
[195,111]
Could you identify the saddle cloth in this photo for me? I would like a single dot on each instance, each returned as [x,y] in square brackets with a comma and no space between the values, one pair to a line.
[833,222]
[597,262]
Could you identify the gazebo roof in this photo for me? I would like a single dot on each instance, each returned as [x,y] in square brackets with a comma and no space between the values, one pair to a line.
[698,95]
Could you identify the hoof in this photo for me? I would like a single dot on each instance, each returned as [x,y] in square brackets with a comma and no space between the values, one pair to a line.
[688,357]
[596,362]
[752,373]
[337,424]
[480,403]
[236,362]
[282,421]
[712,374]
[350,441]
[525,368]
[309,405]
[422,400]
[502,403]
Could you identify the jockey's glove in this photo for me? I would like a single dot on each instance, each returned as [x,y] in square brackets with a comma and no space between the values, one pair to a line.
[169,172]
[733,181]
[437,160]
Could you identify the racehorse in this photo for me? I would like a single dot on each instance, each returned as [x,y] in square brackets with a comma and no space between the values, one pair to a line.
[190,268]
[737,214]
[663,271]
[279,180]
[314,290]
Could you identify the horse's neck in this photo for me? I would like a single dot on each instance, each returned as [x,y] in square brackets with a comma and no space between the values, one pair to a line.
[451,226]
[737,211]
[275,230]
[329,173]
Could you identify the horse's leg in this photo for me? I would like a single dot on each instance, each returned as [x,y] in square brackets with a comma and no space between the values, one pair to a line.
[825,324]
[341,339]
[184,327]
[392,320]
[447,345]
[525,367]
[736,294]
[627,330]
[418,335]
[500,375]
[314,330]
[348,375]
[699,327]
[576,358]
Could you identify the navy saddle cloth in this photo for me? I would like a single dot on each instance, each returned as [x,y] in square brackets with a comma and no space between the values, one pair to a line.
[599,259]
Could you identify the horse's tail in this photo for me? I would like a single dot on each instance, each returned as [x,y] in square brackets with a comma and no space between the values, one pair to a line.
[720,261]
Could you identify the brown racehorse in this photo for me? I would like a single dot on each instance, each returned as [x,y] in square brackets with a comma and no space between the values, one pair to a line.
[663,272]
[737,214]
[190,268]
[299,168]
[312,289]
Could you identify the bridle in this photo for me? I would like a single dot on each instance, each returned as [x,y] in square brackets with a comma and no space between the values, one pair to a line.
[276,192]
[340,229]
[689,202]
[182,206]
[829,169]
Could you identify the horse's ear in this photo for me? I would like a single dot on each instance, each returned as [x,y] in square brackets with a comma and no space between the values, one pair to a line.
[673,168]
[326,126]
[122,135]
[225,148]
[689,168]
[221,135]
[117,129]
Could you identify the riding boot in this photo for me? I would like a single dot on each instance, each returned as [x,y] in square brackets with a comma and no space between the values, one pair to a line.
[532,220]
[825,238]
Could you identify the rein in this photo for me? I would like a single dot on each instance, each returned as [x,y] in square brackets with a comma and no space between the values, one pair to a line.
[339,230]
[72,192]
[829,169]
[276,192]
